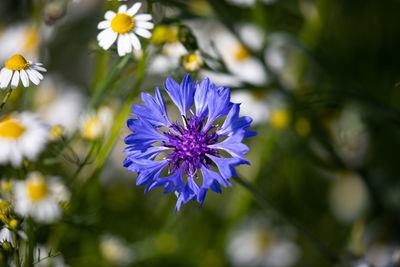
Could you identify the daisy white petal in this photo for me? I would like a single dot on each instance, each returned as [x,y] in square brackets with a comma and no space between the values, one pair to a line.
[6,78]
[37,74]
[143,17]
[24,78]
[33,77]
[103,24]
[122,9]
[145,24]
[143,32]
[135,41]
[120,46]
[35,67]
[15,80]
[134,9]
[109,15]
[107,41]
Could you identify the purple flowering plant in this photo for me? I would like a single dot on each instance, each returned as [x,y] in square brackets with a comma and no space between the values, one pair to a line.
[193,146]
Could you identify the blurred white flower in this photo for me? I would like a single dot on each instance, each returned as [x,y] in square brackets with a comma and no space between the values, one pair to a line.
[124,26]
[257,243]
[96,125]
[251,105]
[116,250]
[251,35]
[53,99]
[6,236]
[38,197]
[18,68]
[239,60]
[192,61]
[348,197]
[249,3]
[350,137]
[20,38]
[22,135]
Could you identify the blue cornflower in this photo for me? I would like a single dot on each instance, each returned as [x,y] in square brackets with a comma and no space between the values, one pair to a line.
[193,145]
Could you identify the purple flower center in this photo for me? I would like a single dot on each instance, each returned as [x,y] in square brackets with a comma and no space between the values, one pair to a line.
[190,144]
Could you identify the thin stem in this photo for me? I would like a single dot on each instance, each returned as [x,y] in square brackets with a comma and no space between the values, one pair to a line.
[106,149]
[30,232]
[16,249]
[5,99]
[322,248]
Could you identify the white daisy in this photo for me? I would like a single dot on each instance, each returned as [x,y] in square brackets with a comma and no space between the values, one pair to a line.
[192,61]
[239,60]
[258,243]
[252,105]
[16,68]
[22,135]
[37,197]
[6,236]
[95,125]
[124,25]
[19,38]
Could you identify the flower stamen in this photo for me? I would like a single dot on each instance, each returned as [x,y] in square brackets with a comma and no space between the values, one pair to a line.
[16,63]
[122,23]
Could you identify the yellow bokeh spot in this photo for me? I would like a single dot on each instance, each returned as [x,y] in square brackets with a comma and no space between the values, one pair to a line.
[4,205]
[303,127]
[56,132]
[191,58]
[279,118]
[93,128]
[17,62]
[37,188]
[241,52]
[122,23]
[31,40]
[13,224]
[10,128]
[164,34]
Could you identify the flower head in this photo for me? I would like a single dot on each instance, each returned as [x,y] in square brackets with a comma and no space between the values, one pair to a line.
[39,198]
[124,25]
[16,68]
[194,145]
[22,135]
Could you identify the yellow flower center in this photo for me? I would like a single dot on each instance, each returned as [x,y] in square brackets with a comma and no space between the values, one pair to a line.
[241,53]
[93,128]
[164,34]
[17,62]
[122,23]
[10,129]
[31,40]
[37,189]
[191,58]
[279,118]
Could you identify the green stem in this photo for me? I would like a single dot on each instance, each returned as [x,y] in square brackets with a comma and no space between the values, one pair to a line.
[106,149]
[322,248]
[5,99]
[110,79]
[16,252]
[30,232]
[92,147]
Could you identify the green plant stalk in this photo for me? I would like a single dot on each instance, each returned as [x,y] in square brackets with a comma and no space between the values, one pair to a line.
[110,79]
[16,249]
[120,120]
[322,248]
[31,246]
[5,99]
